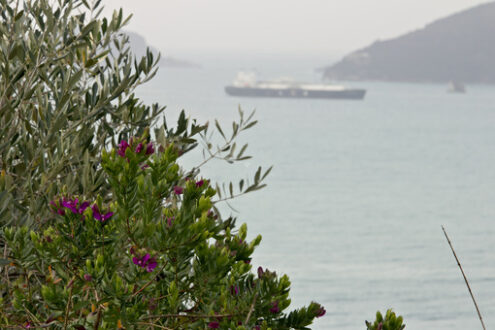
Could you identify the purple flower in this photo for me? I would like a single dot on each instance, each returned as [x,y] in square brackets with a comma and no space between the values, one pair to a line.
[122,148]
[28,325]
[145,261]
[151,265]
[139,148]
[72,204]
[56,207]
[87,277]
[320,312]
[260,272]
[214,325]
[234,290]
[169,221]
[150,149]
[199,183]
[178,190]
[102,217]
[83,207]
[144,166]
[274,309]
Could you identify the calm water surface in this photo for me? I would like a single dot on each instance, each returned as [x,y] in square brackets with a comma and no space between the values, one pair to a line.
[359,190]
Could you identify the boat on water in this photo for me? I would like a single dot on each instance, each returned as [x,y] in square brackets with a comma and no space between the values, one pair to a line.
[246,84]
[456,87]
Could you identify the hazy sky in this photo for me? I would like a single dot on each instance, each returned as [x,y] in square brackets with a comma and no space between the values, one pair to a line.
[278,26]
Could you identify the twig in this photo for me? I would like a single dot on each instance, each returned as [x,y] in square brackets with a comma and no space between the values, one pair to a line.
[465,278]
[98,318]
[251,308]
[154,325]
[150,281]
[66,319]
[194,316]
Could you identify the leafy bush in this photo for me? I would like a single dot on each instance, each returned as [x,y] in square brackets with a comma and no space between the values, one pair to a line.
[66,91]
[389,322]
[131,240]
[157,255]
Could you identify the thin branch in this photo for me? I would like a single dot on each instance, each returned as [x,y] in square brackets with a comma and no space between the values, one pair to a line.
[195,316]
[251,309]
[98,319]
[66,319]
[465,278]
[41,326]
[150,281]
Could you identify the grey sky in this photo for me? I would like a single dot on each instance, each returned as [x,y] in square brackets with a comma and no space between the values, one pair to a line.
[274,26]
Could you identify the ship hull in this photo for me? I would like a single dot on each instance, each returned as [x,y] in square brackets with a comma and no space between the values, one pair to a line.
[348,94]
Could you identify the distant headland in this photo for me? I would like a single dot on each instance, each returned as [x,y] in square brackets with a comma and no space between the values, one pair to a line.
[460,47]
[139,45]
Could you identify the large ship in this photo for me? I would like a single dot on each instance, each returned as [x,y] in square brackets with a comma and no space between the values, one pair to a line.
[246,84]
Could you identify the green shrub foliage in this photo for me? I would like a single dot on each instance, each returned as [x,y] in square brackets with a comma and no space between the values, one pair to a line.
[389,322]
[157,255]
[67,82]
[125,239]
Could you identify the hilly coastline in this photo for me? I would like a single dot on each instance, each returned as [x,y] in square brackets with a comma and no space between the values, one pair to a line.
[138,46]
[459,47]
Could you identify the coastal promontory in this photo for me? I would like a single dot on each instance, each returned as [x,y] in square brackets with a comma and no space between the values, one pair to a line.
[460,47]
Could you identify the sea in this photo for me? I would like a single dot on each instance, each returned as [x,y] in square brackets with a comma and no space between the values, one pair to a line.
[359,190]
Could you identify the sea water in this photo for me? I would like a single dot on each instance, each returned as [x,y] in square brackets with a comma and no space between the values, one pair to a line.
[359,190]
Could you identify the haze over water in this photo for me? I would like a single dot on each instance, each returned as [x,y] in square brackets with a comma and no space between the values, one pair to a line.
[359,190]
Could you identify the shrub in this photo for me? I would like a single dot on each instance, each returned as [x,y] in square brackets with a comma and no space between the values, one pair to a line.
[66,91]
[131,240]
[157,255]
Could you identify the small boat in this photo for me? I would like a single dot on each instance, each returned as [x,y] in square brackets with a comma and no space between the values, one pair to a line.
[246,84]
[456,87]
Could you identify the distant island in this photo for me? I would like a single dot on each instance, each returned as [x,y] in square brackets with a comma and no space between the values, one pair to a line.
[139,45]
[460,47]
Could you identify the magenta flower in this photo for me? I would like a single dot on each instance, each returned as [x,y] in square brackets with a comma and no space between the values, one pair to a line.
[260,272]
[169,221]
[145,261]
[178,190]
[150,149]
[72,204]
[139,148]
[87,277]
[122,148]
[56,207]
[151,265]
[213,325]
[199,183]
[274,309]
[320,312]
[102,217]
[234,290]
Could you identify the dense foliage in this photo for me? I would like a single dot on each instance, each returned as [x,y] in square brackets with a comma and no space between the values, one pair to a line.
[157,255]
[66,91]
[125,239]
[120,239]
